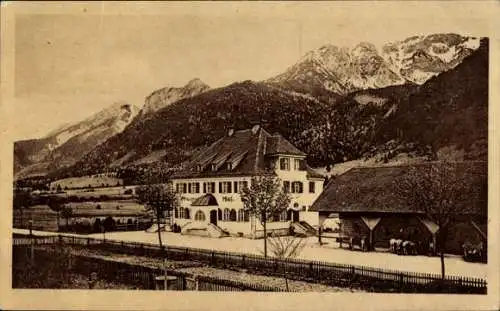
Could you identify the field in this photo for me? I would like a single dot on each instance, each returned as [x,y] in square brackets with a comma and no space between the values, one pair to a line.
[111,208]
[42,216]
[45,219]
[86,182]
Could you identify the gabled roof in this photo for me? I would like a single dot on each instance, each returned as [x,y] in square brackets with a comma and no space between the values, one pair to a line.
[277,144]
[243,152]
[373,189]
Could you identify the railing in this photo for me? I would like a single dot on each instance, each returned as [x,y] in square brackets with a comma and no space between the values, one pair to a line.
[372,279]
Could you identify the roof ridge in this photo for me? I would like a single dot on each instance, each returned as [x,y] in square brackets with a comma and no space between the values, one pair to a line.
[259,142]
[412,164]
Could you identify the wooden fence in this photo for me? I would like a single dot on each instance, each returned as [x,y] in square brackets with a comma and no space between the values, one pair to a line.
[138,276]
[343,275]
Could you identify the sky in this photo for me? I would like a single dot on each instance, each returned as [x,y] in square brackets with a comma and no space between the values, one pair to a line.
[79,60]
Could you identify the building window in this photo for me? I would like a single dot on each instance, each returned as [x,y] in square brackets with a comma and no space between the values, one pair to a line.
[296,164]
[225,187]
[226,214]
[297,187]
[283,215]
[241,185]
[181,187]
[219,214]
[194,187]
[232,215]
[186,213]
[181,213]
[284,164]
[311,186]
[241,215]
[246,216]
[275,217]
[286,186]
[235,185]
[199,216]
[208,187]
[176,213]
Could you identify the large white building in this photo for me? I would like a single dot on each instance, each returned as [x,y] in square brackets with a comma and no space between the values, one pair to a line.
[210,184]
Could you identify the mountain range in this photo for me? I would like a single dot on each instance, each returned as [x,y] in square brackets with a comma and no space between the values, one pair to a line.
[63,146]
[423,96]
[344,70]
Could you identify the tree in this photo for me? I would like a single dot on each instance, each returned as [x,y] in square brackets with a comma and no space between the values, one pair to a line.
[67,212]
[439,190]
[265,199]
[157,198]
[286,247]
[56,204]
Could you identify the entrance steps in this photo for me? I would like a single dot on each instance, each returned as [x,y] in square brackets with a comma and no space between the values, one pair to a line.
[303,228]
[216,231]
[203,229]
[154,228]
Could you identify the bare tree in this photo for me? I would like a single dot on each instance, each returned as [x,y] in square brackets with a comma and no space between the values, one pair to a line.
[159,199]
[286,247]
[440,190]
[265,199]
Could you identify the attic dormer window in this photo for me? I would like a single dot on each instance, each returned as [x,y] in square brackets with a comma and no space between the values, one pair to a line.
[229,166]
[213,167]
[198,168]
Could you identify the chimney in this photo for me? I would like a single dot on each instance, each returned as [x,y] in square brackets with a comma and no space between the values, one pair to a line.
[255,128]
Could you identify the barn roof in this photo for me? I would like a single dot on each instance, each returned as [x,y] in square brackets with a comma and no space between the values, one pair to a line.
[374,189]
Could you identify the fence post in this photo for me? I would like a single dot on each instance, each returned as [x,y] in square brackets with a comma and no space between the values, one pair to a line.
[243,263]
[33,251]
[196,283]
[212,260]
[88,241]
[400,281]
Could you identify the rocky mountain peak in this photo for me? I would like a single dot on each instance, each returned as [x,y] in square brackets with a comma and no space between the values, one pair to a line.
[419,58]
[196,83]
[65,145]
[345,70]
[168,95]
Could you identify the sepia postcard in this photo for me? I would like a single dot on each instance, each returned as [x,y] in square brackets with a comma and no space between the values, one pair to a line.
[250,155]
